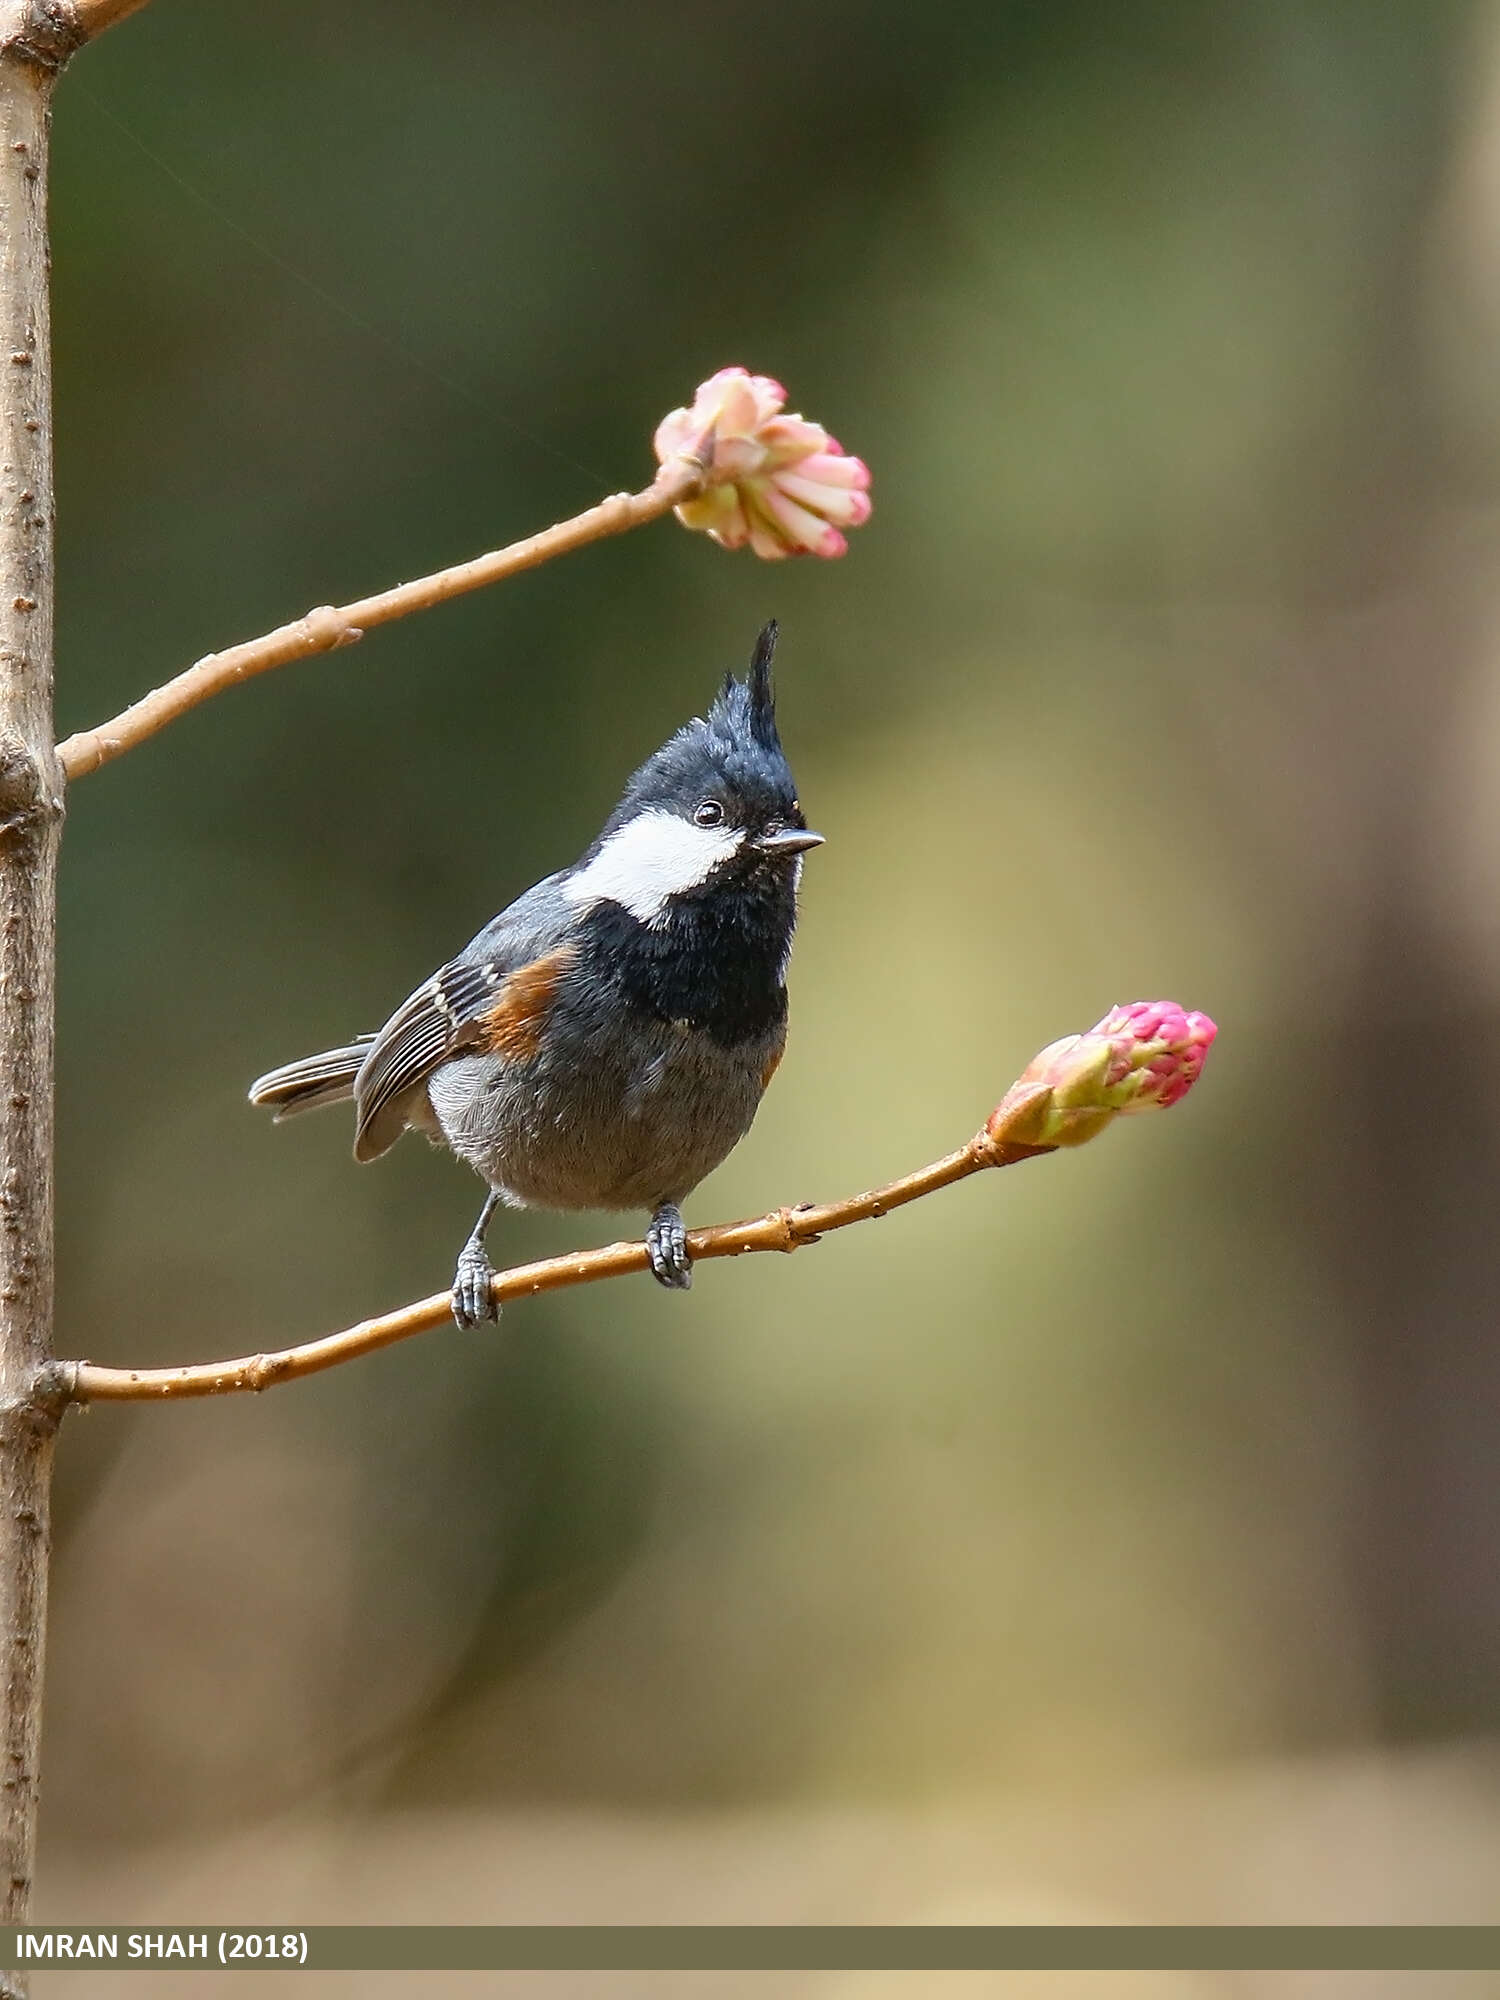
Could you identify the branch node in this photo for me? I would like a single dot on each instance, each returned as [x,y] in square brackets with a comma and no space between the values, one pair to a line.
[785,1223]
[264,1371]
[990,1152]
[45,33]
[327,629]
[28,795]
[51,1391]
[687,474]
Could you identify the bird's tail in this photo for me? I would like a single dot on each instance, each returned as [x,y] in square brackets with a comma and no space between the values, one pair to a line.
[303,1086]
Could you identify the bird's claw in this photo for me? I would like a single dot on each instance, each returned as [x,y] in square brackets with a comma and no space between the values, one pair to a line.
[473,1294]
[666,1246]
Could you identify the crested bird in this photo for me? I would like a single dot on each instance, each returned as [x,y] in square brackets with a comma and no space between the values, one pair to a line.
[606,1040]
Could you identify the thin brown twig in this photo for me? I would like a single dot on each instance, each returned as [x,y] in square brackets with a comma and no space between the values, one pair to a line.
[340,625]
[94,16]
[783,1229]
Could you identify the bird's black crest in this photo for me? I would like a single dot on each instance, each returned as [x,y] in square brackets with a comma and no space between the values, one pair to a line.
[748,707]
[735,744]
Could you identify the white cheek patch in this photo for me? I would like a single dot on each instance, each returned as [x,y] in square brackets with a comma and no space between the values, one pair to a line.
[650,860]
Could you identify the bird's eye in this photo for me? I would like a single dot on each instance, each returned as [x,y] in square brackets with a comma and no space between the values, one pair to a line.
[710,813]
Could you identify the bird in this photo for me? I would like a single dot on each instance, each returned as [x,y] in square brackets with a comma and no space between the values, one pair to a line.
[606,1040]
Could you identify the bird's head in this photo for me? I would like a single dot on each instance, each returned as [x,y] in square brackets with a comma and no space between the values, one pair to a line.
[715,808]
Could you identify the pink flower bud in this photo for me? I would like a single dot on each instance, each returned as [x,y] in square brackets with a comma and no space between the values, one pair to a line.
[1138,1058]
[778,483]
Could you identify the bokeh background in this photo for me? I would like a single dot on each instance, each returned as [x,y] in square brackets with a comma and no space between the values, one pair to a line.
[1118,1538]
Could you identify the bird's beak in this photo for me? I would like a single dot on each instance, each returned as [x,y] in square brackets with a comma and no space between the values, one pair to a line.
[791,840]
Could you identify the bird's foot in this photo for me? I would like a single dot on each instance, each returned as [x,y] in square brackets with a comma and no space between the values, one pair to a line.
[666,1246]
[473,1297]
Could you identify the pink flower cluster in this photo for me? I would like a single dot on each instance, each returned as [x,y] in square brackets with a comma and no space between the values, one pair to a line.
[778,483]
[1142,1057]
[1159,1052]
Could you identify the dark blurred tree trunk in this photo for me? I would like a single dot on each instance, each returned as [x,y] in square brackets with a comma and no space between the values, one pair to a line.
[30,823]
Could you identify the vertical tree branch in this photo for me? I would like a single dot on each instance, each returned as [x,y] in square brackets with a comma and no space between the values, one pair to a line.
[30,824]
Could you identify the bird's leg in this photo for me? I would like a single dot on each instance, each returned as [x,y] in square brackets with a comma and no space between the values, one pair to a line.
[666,1246]
[473,1302]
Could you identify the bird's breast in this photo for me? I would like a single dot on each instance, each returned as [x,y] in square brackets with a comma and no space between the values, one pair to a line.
[623,1110]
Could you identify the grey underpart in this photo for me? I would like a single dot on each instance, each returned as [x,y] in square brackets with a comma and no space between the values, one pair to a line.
[666,1246]
[473,1287]
[614,1109]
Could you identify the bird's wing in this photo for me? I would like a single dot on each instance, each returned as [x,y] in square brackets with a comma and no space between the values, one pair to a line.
[492,998]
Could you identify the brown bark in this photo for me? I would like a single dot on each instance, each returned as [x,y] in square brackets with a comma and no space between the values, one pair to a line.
[30,824]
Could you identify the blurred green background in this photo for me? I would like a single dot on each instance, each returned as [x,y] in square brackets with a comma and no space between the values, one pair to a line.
[1167,667]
